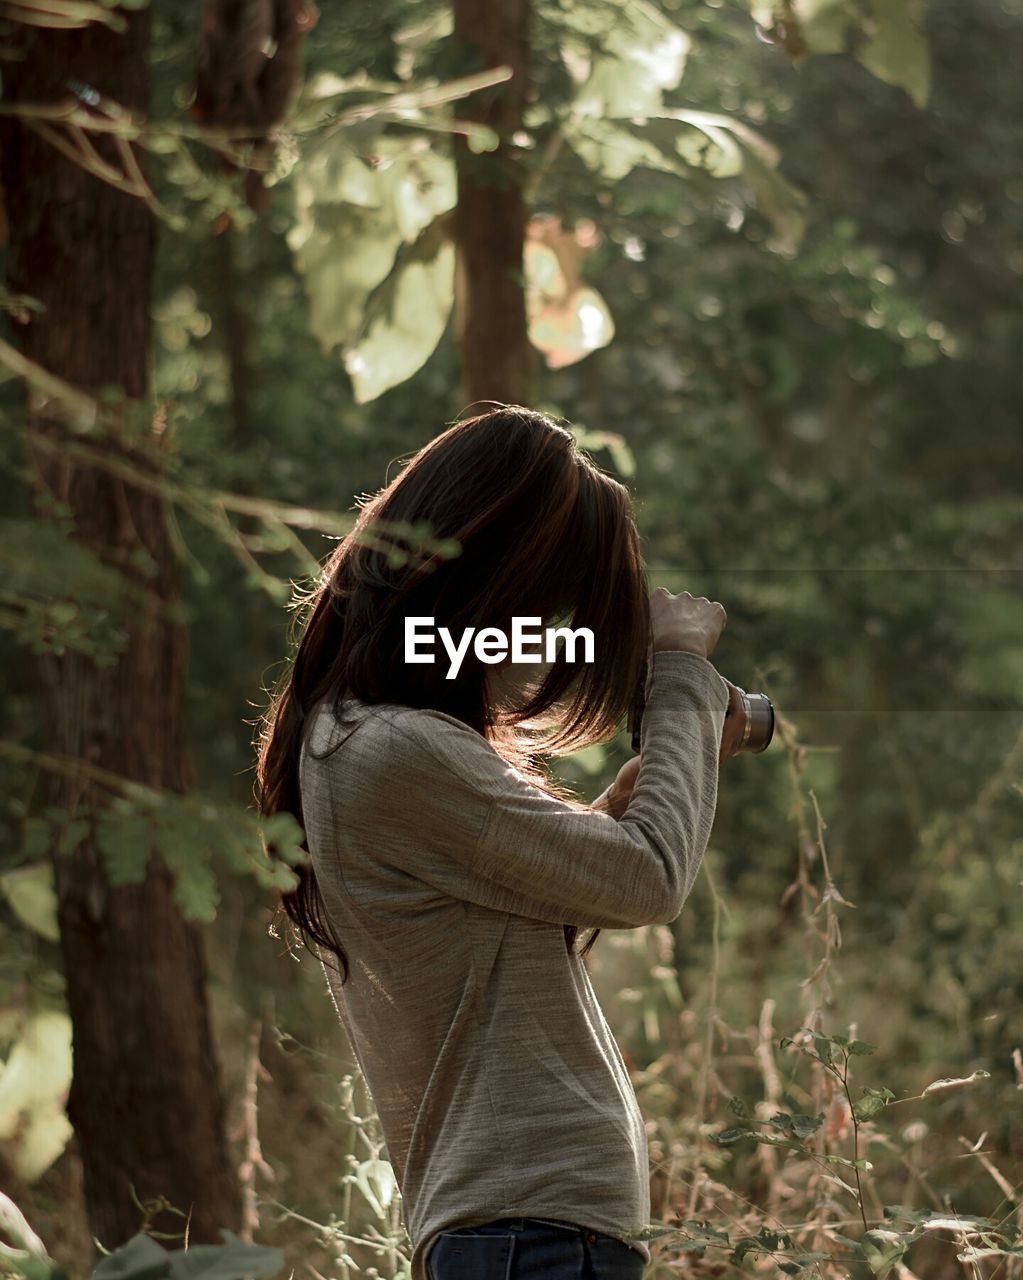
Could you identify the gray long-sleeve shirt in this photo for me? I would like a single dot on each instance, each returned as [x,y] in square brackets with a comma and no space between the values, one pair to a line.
[448,876]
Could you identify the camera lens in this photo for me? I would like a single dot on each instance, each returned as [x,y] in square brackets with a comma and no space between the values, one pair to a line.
[759,722]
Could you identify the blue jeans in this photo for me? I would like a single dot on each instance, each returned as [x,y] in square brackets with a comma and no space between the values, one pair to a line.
[531,1249]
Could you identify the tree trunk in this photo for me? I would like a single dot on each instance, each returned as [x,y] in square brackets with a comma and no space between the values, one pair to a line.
[490,219]
[145,1100]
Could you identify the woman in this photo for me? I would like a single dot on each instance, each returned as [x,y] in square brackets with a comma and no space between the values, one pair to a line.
[450,875]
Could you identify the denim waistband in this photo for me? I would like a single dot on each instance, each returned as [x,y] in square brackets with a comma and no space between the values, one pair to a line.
[520,1223]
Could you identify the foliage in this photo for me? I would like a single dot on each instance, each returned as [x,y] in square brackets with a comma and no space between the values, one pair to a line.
[141,1258]
[34,1081]
[392,199]
[187,831]
[58,596]
[372,238]
[622,61]
[369,1190]
[887,36]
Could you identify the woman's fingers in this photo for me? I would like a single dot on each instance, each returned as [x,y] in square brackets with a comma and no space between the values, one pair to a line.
[735,723]
[621,789]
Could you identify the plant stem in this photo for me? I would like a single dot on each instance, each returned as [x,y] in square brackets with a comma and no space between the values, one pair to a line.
[856,1142]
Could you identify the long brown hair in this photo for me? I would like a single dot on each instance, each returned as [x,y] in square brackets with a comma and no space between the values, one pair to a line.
[520,523]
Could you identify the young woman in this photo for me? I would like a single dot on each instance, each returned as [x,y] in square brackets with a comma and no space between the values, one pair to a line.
[450,876]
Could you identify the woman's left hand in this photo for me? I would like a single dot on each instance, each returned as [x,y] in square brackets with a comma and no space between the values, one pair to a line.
[735,723]
[616,799]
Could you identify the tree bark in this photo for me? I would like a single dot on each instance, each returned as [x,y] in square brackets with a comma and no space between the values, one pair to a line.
[145,1100]
[490,218]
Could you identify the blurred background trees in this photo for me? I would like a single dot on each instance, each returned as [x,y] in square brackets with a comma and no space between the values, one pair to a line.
[765,259]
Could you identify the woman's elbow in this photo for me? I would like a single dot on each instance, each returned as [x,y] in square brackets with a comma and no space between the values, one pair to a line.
[671,874]
[660,902]
[669,908]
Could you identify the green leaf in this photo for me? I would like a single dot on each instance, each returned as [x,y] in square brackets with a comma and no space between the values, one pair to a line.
[612,149]
[140,1259]
[352,214]
[803,1126]
[943,1086]
[233,1260]
[781,203]
[33,1088]
[849,1164]
[31,894]
[195,884]
[749,1245]
[284,833]
[143,1259]
[901,1213]
[623,55]
[650,1232]
[621,455]
[727,1136]
[684,142]
[39,562]
[822,1043]
[882,1249]
[896,51]
[124,837]
[196,892]
[873,1101]
[886,36]
[71,834]
[800,1261]
[405,319]
[375,1179]
[703,1230]
[29,1267]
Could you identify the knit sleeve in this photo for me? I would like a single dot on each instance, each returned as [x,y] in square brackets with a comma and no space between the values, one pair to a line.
[473,826]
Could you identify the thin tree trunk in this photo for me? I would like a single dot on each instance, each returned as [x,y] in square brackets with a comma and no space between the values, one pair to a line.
[490,219]
[235,327]
[145,1100]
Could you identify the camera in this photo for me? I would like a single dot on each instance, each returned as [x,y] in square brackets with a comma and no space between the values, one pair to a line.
[759,711]
[759,722]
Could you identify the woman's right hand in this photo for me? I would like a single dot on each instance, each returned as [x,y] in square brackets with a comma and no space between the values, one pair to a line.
[685,622]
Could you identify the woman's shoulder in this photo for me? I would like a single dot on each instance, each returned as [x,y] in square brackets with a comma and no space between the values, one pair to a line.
[399,732]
